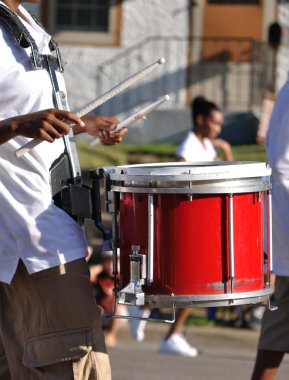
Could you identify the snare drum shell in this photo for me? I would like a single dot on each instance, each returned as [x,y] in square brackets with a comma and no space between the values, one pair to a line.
[191,241]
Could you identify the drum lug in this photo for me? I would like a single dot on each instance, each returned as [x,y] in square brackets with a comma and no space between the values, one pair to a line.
[132,293]
[231,242]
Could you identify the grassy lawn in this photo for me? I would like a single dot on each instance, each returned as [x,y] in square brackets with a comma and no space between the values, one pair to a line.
[250,153]
[126,154]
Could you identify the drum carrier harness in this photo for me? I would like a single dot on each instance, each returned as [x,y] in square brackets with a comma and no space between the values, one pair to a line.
[67,188]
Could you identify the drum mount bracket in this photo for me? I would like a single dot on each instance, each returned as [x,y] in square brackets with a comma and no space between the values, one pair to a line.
[132,293]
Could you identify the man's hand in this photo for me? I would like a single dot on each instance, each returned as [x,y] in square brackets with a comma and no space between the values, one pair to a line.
[46,125]
[102,127]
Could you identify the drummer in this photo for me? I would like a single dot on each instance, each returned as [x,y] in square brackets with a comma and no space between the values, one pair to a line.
[45,332]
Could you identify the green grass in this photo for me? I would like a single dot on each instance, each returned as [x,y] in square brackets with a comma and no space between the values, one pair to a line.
[249,153]
[126,154]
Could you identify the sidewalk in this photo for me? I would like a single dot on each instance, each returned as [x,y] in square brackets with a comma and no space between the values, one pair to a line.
[225,353]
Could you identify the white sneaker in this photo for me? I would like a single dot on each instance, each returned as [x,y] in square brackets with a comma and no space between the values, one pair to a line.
[137,326]
[176,344]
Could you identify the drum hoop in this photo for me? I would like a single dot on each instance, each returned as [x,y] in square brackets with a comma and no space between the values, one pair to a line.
[229,299]
[230,186]
[187,190]
[190,171]
[188,177]
[124,177]
[196,164]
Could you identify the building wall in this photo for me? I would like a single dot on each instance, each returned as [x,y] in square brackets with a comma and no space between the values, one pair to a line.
[33,8]
[152,18]
[139,22]
[283,54]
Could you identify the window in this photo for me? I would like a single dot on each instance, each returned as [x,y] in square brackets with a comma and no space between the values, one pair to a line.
[94,22]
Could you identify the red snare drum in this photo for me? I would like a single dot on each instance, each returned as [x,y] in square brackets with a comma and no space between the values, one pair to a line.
[197,231]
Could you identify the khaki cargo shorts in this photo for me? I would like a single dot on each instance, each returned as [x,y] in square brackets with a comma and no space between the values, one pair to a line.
[51,327]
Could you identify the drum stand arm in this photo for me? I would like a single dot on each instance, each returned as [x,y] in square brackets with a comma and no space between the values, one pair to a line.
[118,316]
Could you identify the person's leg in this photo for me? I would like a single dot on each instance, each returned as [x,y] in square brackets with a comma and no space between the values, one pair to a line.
[274,336]
[267,364]
[181,317]
[137,326]
[113,326]
[52,325]
[174,342]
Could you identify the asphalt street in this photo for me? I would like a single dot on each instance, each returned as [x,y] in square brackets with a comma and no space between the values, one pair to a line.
[225,353]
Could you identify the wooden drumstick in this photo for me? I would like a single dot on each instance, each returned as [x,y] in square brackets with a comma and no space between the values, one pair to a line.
[135,117]
[98,101]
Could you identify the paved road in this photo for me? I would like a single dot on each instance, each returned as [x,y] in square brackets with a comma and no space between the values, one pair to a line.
[225,353]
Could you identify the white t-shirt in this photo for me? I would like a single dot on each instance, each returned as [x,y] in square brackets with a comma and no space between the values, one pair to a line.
[31,226]
[191,149]
[277,144]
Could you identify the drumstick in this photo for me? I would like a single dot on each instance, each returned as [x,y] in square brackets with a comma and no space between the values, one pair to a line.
[137,116]
[98,101]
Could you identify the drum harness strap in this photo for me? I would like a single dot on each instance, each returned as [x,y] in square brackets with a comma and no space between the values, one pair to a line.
[67,188]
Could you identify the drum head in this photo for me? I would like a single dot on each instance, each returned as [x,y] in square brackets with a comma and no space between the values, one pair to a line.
[192,177]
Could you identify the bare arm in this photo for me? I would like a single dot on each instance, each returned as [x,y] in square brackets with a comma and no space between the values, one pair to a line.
[47,125]
[225,148]
[52,124]
[180,159]
[95,270]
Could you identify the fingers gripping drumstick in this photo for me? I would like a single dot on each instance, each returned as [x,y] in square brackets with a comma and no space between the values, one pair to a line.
[98,101]
[137,116]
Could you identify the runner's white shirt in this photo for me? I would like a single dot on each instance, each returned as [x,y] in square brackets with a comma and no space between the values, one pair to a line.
[277,144]
[31,226]
[191,149]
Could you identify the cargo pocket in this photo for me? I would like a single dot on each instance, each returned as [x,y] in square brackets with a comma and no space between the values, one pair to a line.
[58,347]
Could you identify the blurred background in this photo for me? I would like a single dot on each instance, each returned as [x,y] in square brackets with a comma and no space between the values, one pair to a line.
[233,52]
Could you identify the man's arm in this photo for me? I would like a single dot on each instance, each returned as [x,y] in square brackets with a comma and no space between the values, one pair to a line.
[47,125]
